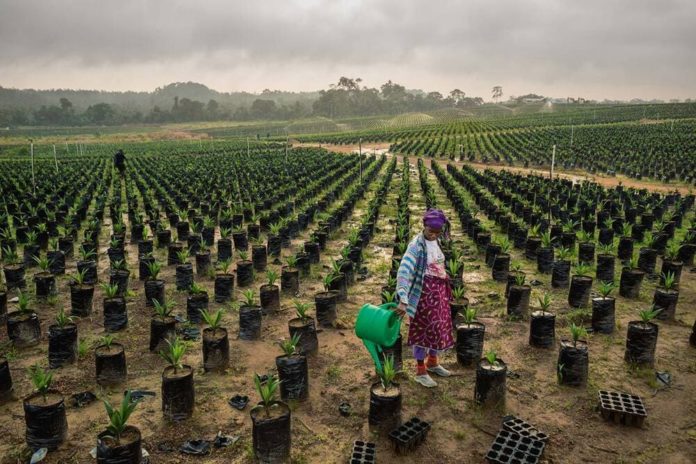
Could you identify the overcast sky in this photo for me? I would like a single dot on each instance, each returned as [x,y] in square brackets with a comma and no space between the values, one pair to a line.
[591,48]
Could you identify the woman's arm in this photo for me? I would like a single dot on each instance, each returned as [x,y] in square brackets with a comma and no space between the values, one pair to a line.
[406,274]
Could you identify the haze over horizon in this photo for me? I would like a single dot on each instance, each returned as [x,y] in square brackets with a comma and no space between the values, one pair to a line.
[596,50]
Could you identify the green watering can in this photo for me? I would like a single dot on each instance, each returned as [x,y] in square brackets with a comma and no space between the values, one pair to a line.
[377,326]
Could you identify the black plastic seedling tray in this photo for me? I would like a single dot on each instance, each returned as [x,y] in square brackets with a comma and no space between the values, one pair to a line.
[409,435]
[622,408]
[364,452]
[517,425]
[513,448]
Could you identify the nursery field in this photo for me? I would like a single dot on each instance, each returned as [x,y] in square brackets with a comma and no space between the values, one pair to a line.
[638,141]
[202,273]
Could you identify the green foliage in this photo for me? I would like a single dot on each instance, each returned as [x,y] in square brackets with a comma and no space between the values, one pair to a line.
[23,303]
[41,379]
[605,288]
[118,418]
[224,266]
[520,279]
[672,250]
[563,254]
[243,255]
[182,256]
[389,297]
[42,261]
[272,277]
[9,256]
[63,319]
[110,291]
[327,280]
[301,309]
[668,280]
[290,345]
[174,353]
[119,265]
[606,248]
[388,371]
[545,302]
[291,261]
[153,270]
[458,293]
[214,320]
[648,315]
[577,332]
[86,255]
[106,340]
[582,269]
[585,237]
[469,315]
[649,240]
[248,298]
[266,390]
[546,241]
[196,289]
[275,229]
[633,262]
[453,267]
[504,244]
[163,310]
[492,357]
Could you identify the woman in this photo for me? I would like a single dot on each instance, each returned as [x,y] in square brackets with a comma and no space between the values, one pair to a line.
[424,294]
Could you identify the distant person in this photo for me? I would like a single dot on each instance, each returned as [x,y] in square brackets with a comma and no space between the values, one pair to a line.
[120,161]
[424,294]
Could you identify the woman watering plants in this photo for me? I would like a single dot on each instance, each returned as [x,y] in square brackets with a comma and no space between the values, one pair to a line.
[424,294]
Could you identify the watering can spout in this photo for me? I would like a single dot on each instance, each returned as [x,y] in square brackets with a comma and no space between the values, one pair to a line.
[377,327]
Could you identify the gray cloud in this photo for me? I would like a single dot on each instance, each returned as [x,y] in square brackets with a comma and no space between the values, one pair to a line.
[597,49]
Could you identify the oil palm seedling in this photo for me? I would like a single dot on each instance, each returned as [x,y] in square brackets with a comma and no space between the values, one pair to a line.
[23,326]
[62,341]
[216,350]
[119,438]
[490,386]
[271,422]
[44,412]
[641,338]
[573,358]
[178,394]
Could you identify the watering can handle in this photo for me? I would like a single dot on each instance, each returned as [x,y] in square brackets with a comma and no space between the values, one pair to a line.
[389,305]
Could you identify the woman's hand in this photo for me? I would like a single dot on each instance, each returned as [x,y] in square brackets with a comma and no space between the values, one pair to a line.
[401,309]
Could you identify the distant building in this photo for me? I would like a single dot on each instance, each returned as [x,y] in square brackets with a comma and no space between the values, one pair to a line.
[531,98]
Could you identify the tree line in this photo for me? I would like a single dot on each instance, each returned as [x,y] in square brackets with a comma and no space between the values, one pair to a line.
[186,102]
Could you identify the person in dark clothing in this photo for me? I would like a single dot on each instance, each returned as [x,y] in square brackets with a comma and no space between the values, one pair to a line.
[120,161]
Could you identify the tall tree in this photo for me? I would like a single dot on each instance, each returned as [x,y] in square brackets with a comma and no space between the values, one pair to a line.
[497,93]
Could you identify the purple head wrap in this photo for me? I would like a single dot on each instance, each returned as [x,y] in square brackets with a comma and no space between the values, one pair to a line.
[434,218]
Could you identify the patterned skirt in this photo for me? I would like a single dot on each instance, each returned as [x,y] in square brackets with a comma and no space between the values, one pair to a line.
[432,325]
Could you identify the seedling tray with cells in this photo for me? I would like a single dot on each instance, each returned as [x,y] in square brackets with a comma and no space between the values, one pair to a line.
[517,425]
[622,408]
[409,435]
[513,448]
[364,452]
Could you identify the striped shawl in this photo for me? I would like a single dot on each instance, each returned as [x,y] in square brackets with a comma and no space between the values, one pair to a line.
[409,278]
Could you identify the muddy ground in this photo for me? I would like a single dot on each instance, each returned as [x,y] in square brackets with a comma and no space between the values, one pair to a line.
[342,371]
